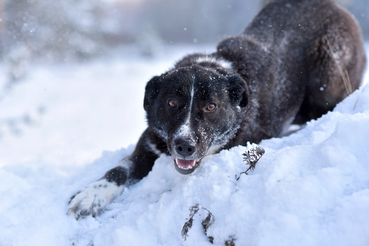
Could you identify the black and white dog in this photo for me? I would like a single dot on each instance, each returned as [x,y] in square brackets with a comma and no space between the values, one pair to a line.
[286,66]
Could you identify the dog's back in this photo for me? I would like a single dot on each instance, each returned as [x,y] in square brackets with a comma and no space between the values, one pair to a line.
[302,53]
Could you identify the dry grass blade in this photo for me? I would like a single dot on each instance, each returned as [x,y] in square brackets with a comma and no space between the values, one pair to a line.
[345,77]
[359,96]
[188,224]
[206,223]
[349,81]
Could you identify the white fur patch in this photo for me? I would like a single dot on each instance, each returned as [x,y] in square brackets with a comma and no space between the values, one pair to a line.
[221,62]
[152,147]
[93,199]
[214,149]
[161,133]
[185,129]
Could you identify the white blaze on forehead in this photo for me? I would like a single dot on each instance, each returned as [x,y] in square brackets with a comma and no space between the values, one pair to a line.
[192,93]
[185,129]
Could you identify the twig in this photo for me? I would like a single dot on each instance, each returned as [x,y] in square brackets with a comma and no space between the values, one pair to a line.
[251,157]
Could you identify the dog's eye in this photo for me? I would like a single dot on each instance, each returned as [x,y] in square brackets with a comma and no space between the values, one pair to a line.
[172,103]
[211,107]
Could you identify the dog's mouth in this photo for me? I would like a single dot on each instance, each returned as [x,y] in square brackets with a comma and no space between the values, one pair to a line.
[186,166]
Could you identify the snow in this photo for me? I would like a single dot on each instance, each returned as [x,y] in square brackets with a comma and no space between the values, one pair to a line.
[309,188]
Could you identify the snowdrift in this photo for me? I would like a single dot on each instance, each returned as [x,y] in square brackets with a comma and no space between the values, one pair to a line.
[310,188]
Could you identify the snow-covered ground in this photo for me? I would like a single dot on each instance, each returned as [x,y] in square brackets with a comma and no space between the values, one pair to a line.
[310,188]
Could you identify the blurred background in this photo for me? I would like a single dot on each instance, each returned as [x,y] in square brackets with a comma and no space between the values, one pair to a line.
[73,72]
[81,29]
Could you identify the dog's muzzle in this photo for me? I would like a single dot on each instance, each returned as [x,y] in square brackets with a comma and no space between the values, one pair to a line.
[184,160]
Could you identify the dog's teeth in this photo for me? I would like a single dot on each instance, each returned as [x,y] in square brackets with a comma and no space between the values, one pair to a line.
[190,166]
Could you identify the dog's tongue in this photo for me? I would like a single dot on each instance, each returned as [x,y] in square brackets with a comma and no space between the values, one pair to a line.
[185,163]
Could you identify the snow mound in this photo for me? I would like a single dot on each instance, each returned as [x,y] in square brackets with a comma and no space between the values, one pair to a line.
[309,188]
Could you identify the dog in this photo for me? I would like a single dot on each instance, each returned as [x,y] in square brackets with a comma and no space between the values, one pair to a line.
[287,66]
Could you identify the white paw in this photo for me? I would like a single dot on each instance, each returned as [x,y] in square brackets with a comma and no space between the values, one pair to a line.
[93,199]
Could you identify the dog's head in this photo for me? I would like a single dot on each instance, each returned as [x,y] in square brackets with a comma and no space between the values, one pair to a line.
[196,111]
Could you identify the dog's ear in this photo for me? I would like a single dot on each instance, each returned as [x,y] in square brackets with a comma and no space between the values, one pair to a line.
[238,92]
[152,90]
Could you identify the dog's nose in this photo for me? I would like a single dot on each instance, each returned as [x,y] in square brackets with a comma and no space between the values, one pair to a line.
[184,148]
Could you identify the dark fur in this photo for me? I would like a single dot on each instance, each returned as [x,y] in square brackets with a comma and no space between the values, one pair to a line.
[282,70]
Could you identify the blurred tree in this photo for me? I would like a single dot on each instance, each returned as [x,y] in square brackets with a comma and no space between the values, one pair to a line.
[58,28]
[199,20]
[63,29]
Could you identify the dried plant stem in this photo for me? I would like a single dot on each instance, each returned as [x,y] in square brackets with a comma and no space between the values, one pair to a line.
[349,81]
[345,77]
[359,96]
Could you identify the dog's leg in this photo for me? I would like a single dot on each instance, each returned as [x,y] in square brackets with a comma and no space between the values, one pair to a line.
[93,199]
[336,61]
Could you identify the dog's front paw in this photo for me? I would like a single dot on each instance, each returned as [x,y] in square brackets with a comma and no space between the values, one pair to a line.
[93,199]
